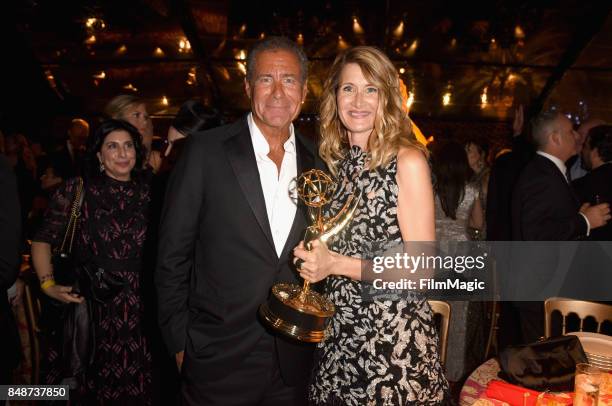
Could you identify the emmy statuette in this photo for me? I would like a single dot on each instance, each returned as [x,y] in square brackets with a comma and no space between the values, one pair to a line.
[294,310]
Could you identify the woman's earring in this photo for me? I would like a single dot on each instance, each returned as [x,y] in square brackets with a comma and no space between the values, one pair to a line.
[102,167]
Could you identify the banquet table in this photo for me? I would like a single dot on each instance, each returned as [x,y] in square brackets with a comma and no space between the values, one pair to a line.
[473,391]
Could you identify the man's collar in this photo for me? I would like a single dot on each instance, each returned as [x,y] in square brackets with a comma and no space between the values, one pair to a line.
[260,144]
[558,162]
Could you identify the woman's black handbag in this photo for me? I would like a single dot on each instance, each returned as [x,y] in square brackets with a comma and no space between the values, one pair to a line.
[100,284]
[544,365]
[62,258]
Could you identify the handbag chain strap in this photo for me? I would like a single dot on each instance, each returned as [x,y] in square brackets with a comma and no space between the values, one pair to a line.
[75,213]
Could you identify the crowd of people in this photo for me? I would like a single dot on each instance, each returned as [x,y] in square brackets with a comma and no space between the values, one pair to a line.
[176,246]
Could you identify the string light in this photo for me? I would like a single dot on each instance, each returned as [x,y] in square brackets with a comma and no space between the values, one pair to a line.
[158,52]
[342,43]
[241,56]
[399,30]
[402,71]
[191,76]
[413,47]
[100,75]
[130,87]
[164,101]
[484,98]
[357,28]
[184,45]
[91,40]
[518,32]
[410,100]
[121,50]
[300,39]
[446,98]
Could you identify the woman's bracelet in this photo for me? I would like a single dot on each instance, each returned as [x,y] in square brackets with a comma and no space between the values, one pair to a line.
[47,281]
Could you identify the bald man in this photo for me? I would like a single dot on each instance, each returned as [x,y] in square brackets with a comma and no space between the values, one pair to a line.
[545,208]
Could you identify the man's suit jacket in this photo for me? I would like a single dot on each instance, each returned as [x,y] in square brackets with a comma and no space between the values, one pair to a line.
[504,175]
[64,164]
[217,260]
[544,207]
[10,225]
[598,182]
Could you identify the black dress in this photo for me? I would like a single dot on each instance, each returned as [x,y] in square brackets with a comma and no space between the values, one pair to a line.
[383,352]
[112,232]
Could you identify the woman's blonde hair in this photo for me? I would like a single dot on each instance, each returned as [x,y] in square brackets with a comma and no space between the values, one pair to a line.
[115,108]
[392,127]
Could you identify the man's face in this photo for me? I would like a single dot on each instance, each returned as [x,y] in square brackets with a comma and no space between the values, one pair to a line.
[567,138]
[78,133]
[276,90]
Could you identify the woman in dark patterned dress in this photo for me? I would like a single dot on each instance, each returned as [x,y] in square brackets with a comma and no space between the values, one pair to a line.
[383,352]
[110,235]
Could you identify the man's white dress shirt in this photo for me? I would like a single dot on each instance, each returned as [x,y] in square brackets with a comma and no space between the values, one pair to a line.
[278,188]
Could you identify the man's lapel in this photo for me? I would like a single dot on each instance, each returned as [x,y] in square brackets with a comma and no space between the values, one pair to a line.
[305,162]
[240,153]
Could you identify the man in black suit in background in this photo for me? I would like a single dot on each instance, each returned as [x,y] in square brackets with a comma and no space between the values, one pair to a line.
[596,186]
[544,206]
[67,159]
[10,224]
[228,228]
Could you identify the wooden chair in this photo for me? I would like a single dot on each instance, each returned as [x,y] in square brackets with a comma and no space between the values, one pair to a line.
[32,310]
[442,309]
[582,309]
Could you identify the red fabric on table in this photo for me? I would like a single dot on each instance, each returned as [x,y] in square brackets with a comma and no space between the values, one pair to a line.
[511,394]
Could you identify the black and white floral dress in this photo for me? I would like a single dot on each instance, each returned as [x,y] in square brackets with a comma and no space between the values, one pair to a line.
[383,352]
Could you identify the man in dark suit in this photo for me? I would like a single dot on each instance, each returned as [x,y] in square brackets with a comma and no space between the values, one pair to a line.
[545,208]
[596,186]
[228,228]
[67,159]
[10,349]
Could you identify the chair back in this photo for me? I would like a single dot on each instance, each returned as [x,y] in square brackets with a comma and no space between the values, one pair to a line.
[442,309]
[582,309]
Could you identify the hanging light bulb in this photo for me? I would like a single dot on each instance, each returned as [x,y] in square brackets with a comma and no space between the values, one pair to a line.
[158,52]
[300,39]
[518,32]
[184,45]
[410,100]
[342,44]
[413,47]
[164,101]
[241,56]
[484,100]
[357,28]
[399,30]
[130,87]
[446,98]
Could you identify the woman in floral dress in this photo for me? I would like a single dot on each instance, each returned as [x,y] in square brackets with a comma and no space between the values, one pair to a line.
[109,238]
[380,352]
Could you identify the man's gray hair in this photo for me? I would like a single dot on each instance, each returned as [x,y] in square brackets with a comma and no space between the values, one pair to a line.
[275,44]
[542,126]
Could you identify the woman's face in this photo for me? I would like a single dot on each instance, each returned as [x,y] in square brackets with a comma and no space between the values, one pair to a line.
[118,155]
[475,157]
[357,101]
[173,135]
[137,115]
